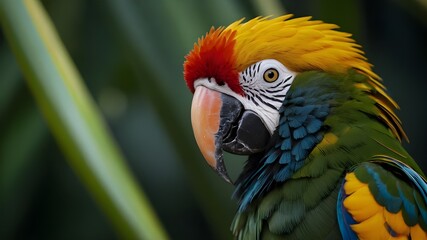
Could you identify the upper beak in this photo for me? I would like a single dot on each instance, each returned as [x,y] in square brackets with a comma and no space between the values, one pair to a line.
[220,122]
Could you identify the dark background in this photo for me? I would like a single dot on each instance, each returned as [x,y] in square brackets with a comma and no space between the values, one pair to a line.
[126,51]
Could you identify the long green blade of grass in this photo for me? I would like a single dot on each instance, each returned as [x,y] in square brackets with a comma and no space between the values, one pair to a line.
[75,120]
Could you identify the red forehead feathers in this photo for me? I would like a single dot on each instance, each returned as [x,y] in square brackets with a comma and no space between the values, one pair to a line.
[213,57]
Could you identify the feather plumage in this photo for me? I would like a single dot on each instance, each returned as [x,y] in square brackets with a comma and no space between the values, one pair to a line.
[378,201]
[348,136]
[334,166]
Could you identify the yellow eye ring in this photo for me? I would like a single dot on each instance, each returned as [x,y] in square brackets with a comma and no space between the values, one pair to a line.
[271,75]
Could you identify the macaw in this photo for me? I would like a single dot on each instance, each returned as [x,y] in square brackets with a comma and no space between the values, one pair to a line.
[325,158]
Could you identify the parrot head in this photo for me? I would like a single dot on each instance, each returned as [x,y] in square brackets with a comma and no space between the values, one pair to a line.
[241,74]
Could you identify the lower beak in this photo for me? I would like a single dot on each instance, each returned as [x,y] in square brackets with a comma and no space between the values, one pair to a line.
[220,122]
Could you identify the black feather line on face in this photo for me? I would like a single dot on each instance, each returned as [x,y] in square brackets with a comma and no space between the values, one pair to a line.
[272,98]
[266,103]
[244,78]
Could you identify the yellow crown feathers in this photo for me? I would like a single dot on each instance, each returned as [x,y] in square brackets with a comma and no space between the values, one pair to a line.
[302,44]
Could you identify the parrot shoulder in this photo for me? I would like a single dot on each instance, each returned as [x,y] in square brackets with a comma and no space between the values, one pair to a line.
[381,199]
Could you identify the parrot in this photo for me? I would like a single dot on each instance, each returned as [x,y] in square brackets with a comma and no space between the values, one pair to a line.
[323,141]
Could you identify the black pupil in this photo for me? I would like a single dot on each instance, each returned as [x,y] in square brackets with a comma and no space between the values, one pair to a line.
[271,74]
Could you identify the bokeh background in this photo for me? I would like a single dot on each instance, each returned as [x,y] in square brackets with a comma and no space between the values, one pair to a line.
[130,55]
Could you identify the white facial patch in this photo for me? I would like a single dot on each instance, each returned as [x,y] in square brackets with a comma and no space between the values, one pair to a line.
[265,84]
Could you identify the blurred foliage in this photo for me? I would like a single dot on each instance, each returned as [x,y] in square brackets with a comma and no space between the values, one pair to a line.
[75,120]
[130,54]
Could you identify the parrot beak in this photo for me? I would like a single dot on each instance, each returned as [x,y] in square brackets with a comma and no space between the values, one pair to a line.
[220,122]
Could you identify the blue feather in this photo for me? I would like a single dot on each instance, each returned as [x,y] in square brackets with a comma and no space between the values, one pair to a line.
[309,142]
[289,112]
[283,174]
[416,179]
[300,132]
[298,165]
[282,121]
[384,198]
[297,101]
[297,120]
[419,182]
[286,144]
[390,230]
[285,158]
[321,112]
[284,131]
[304,110]
[421,185]
[299,152]
[410,211]
[313,125]
[272,157]
[319,137]
[410,189]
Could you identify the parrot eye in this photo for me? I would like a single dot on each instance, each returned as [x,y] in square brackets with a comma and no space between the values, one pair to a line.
[271,75]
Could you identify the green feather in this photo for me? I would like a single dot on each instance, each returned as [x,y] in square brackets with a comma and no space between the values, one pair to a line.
[422,206]
[286,217]
[269,204]
[319,188]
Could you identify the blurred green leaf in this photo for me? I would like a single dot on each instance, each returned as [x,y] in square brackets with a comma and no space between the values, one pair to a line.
[21,138]
[9,82]
[155,45]
[269,7]
[331,11]
[75,120]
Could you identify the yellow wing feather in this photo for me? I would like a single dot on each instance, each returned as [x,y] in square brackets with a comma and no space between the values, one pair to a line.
[372,219]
